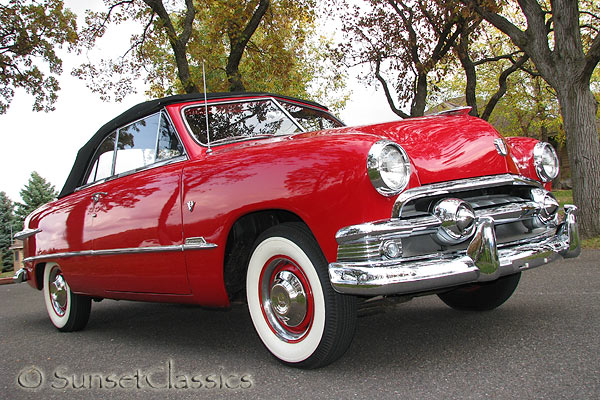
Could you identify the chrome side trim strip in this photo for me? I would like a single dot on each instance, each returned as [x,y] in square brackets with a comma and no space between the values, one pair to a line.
[197,243]
[130,250]
[446,188]
[25,233]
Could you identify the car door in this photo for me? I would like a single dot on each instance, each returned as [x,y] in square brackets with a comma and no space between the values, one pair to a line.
[136,228]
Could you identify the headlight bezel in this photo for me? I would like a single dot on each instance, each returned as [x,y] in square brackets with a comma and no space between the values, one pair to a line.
[380,178]
[539,161]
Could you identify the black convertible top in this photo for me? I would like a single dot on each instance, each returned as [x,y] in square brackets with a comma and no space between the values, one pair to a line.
[136,112]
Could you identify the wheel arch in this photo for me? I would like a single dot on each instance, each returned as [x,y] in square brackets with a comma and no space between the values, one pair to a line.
[38,271]
[240,242]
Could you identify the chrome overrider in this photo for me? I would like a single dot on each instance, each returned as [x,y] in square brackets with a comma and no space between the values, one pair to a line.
[482,260]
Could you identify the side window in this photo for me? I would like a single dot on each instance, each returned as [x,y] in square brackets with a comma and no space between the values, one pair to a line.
[103,160]
[139,144]
[136,147]
[168,145]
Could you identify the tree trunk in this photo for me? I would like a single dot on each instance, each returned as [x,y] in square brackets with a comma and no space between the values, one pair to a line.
[578,107]
[470,72]
[417,108]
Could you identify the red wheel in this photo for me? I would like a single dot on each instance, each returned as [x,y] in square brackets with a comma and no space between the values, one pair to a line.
[286,298]
[298,316]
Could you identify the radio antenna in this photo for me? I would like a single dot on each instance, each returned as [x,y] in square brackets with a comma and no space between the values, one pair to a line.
[209,150]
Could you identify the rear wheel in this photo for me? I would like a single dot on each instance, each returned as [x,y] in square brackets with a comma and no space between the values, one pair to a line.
[298,316]
[67,311]
[482,296]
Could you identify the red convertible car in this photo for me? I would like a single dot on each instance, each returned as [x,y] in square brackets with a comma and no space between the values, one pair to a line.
[271,199]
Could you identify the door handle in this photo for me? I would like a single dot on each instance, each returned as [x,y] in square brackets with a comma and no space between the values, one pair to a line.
[97,196]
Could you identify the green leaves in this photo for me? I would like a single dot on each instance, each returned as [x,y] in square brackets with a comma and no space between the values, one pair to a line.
[36,193]
[30,31]
[7,222]
[283,55]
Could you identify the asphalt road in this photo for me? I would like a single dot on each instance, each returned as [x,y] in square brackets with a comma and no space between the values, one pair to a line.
[543,343]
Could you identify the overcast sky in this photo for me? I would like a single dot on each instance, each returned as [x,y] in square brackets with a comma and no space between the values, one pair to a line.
[48,142]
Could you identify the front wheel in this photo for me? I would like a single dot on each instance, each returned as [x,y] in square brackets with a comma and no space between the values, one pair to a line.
[67,311]
[298,316]
[482,296]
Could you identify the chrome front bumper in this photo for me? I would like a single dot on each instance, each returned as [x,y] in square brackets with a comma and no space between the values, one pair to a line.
[482,261]
[20,276]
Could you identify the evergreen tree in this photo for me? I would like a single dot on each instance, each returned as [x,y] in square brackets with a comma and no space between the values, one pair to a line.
[6,221]
[37,192]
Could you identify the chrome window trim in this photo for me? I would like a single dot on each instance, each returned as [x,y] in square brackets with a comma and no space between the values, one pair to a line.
[248,99]
[170,121]
[128,250]
[221,102]
[450,187]
[287,114]
[312,108]
[133,171]
[182,157]
[91,166]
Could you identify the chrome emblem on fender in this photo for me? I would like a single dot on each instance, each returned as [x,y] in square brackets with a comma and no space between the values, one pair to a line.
[500,146]
[190,205]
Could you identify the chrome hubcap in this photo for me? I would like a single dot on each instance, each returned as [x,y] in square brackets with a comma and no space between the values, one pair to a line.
[288,299]
[58,294]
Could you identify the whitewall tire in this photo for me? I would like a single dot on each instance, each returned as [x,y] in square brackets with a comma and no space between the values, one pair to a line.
[298,316]
[67,311]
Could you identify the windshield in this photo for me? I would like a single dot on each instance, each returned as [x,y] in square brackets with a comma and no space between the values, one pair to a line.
[311,119]
[250,119]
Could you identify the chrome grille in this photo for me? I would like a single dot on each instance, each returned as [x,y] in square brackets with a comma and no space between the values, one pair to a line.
[508,199]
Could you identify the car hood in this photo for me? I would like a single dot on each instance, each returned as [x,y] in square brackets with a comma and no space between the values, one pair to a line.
[443,148]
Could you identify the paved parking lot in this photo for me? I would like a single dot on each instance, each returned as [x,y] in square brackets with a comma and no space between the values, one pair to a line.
[543,343]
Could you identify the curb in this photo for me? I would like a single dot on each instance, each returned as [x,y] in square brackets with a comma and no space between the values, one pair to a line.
[6,281]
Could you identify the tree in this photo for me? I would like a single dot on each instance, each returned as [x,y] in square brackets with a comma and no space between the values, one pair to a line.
[565,52]
[402,42]
[285,54]
[500,84]
[37,192]
[29,33]
[492,55]
[6,231]
[247,44]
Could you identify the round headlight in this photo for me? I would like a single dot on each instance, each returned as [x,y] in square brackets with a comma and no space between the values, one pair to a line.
[545,161]
[388,167]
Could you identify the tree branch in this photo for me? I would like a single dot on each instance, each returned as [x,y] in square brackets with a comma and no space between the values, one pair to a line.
[238,44]
[387,92]
[502,86]
[178,43]
[143,38]
[590,14]
[518,36]
[108,14]
[498,58]
[469,67]
[592,57]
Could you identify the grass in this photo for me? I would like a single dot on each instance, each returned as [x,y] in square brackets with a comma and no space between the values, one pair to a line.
[7,274]
[566,197]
